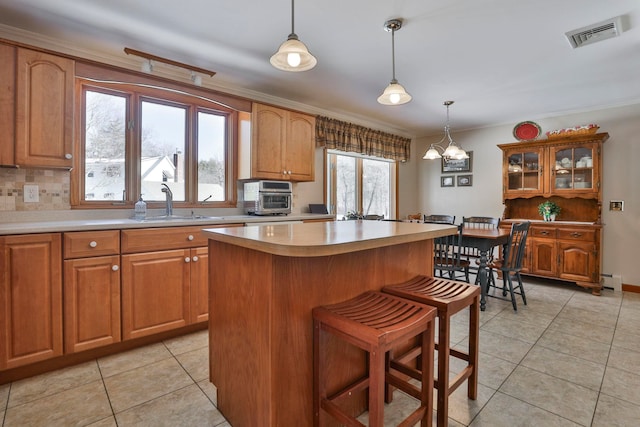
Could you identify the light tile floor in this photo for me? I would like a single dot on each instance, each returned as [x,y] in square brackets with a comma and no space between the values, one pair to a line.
[566,359]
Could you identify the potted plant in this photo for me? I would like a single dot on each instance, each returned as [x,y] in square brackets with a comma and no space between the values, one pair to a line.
[548,210]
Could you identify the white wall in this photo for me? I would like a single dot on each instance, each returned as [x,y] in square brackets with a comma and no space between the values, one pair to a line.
[621,180]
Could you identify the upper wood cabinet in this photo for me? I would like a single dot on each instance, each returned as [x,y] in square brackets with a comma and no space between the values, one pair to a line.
[7,106]
[43,109]
[281,145]
[30,299]
[566,167]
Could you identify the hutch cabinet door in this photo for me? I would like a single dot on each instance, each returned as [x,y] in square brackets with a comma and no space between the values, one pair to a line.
[575,168]
[523,171]
[544,257]
[578,262]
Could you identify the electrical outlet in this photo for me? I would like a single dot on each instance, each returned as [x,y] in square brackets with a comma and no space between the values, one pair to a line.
[31,193]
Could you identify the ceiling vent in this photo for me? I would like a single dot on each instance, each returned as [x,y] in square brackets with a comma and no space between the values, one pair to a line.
[595,32]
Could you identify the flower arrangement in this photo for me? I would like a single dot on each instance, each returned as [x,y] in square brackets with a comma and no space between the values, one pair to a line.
[548,210]
[576,130]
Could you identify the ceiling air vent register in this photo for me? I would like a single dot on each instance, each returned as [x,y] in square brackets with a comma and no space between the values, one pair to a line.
[595,32]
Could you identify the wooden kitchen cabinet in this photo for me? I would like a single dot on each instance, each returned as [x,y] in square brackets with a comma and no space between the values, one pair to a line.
[282,145]
[91,289]
[30,299]
[44,109]
[567,171]
[7,103]
[155,292]
[199,285]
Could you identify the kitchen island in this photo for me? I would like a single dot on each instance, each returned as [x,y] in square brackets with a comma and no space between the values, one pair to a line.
[264,282]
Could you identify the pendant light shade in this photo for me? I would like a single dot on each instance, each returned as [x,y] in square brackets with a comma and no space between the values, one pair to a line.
[293,55]
[395,93]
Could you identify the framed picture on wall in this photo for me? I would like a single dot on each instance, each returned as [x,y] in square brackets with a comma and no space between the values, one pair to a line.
[457,165]
[464,180]
[447,181]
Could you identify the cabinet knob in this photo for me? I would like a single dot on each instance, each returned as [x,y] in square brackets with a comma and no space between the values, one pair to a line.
[190,237]
[187,259]
[115,267]
[68,156]
[544,232]
[93,244]
[195,259]
[576,234]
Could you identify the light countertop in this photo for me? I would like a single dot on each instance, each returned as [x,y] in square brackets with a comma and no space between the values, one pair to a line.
[327,238]
[58,223]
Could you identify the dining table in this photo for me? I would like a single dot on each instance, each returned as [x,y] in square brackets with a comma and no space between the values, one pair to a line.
[484,240]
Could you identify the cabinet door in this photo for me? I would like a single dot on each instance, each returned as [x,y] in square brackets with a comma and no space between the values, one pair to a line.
[544,257]
[578,262]
[575,169]
[7,103]
[269,135]
[155,292]
[300,148]
[91,302]
[30,299]
[523,171]
[199,284]
[44,109]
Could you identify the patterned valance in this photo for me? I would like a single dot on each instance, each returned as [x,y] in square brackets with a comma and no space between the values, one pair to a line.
[337,135]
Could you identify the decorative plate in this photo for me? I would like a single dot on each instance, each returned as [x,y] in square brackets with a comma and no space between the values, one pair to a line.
[526,131]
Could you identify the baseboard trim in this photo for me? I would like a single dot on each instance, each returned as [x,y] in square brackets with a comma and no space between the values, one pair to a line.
[631,288]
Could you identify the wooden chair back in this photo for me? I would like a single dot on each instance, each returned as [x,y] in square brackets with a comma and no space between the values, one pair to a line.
[440,219]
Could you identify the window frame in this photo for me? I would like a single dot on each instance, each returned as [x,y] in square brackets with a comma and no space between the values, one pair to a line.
[331,175]
[135,93]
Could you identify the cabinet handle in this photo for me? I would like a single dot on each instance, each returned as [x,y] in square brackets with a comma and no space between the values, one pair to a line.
[93,244]
[195,259]
[68,156]
[115,267]
[187,259]
[576,234]
[544,233]
[190,237]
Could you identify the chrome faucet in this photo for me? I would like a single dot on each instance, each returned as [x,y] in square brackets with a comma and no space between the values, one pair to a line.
[167,191]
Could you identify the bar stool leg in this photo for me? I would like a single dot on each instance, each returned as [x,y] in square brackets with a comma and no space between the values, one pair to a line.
[444,335]
[474,332]
[376,388]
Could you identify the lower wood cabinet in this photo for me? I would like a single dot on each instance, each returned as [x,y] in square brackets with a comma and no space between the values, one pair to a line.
[91,302]
[567,252]
[155,292]
[30,299]
[199,284]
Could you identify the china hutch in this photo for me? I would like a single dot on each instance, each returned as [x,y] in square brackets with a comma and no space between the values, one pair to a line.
[567,171]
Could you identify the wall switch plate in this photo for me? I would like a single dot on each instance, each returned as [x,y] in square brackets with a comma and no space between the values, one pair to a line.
[616,205]
[31,193]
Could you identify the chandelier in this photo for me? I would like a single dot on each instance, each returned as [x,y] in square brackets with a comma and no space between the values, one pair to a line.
[452,150]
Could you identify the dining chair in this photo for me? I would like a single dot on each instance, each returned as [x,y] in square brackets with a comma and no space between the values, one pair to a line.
[510,265]
[440,219]
[481,222]
[447,257]
[374,217]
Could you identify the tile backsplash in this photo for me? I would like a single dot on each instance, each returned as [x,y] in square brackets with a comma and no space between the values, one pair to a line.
[53,189]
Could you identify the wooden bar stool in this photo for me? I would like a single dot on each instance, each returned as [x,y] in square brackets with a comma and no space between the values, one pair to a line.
[376,323]
[449,297]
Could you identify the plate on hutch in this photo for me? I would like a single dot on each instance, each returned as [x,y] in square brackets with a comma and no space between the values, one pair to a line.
[526,131]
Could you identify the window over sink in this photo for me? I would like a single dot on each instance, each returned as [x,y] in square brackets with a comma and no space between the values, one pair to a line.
[137,137]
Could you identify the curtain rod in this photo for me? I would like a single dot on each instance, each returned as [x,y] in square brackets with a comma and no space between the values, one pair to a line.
[149,56]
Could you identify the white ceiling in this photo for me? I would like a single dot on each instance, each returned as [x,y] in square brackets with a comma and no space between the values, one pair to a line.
[502,61]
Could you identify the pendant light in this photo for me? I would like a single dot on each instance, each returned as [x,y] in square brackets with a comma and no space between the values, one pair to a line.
[394,94]
[293,55]
[451,151]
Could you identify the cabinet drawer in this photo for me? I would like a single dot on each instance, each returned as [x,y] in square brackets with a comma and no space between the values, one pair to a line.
[543,232]
[154,239]
[581,235]
[84,244]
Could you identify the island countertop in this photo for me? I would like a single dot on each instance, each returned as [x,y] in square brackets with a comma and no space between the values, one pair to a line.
[327,238]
